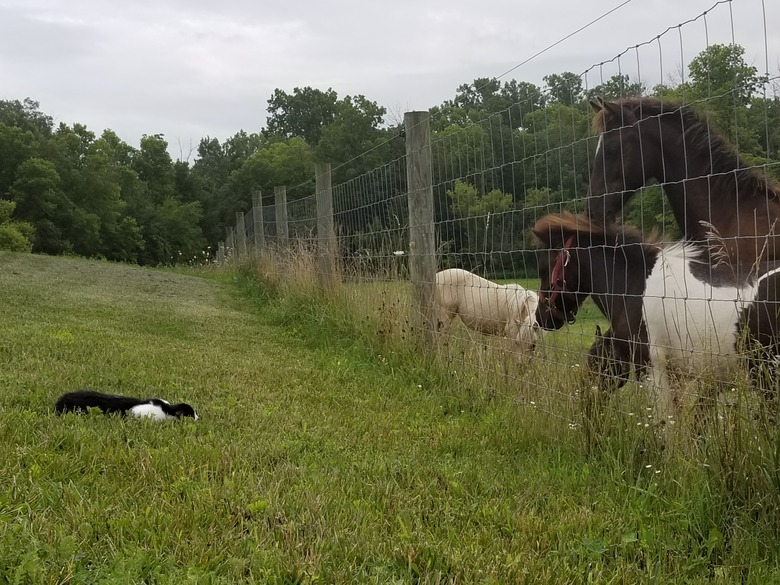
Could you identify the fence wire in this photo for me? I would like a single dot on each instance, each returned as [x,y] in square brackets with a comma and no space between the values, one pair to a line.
[499,173]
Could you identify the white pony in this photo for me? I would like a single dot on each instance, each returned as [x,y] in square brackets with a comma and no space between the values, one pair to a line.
[487,307]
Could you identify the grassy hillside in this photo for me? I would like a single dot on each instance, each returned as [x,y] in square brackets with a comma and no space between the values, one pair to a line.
[318,459]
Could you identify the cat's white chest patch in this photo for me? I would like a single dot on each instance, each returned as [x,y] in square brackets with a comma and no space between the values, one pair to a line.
[149,411]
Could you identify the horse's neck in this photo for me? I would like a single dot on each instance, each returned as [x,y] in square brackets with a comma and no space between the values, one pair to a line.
[741,228]
[685,179]
[618,294]
[687,151]
[722,205]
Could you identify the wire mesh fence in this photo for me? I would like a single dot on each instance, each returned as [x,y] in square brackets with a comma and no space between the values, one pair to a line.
[593,245]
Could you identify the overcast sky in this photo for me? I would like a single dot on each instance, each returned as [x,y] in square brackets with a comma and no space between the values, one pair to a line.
[195,68]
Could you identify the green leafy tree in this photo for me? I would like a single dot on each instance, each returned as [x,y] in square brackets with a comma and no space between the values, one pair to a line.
[479,218]
[616,87]
[40,201]
[302,114]
[121,238]
[350,141]
[213,166]
[94,173]
[485,127]
[524,98]
[125,243]
[16,146]
[555,152]
[288,162]
[15,236]
[720,74]
[486,97]
[177,231]
[481,96]
[467,202]
[763,119]
[210,171]
[239,147]
[120,154]
[540,202]
[340,130]
[26,116]
[185,184]
[170,225]
[723,85]
[460,153]
[155,168]
[85,185]
[210,175]
[564,88]
[649,211]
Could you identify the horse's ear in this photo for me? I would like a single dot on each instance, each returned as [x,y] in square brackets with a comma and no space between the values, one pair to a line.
[541,235]
[619,113]
[545,236]
[550,236]
[597,104]
[525,312]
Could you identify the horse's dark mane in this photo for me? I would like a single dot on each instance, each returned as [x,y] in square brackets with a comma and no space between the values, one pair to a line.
[642,107]
[720,156]
[567,223]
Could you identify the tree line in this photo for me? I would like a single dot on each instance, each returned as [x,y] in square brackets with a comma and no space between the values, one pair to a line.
[504,153]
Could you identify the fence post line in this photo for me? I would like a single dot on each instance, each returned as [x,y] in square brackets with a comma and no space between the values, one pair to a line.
[282,231]
[240,234]
[220,252]
[422,245]
[326,237]
[257,219]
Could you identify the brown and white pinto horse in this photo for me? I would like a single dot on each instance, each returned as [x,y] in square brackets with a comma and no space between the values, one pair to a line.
[667,306]
[713,194]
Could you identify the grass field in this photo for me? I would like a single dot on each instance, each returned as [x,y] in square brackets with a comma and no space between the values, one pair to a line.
[324,454]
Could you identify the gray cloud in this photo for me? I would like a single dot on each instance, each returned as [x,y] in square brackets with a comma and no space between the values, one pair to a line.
[193,68]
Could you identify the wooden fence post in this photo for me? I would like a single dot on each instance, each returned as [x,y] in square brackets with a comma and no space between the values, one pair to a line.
[257,219]
[282,232]
[240,234]
[326,237]
[220,252]
[230,244]
[422,245]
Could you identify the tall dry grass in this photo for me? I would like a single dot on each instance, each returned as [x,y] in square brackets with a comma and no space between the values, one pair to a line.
[722,426]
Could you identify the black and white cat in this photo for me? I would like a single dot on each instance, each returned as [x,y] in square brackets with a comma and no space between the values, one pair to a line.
[156,408]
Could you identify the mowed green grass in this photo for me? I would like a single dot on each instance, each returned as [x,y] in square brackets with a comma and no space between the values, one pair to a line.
[319,458]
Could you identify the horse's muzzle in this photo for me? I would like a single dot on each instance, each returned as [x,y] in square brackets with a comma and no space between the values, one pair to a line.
[551,317]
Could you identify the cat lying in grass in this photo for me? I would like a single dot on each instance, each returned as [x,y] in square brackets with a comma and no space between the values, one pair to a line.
[156,408]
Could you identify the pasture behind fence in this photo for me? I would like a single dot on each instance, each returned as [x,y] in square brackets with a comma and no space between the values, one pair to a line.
[473,185]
